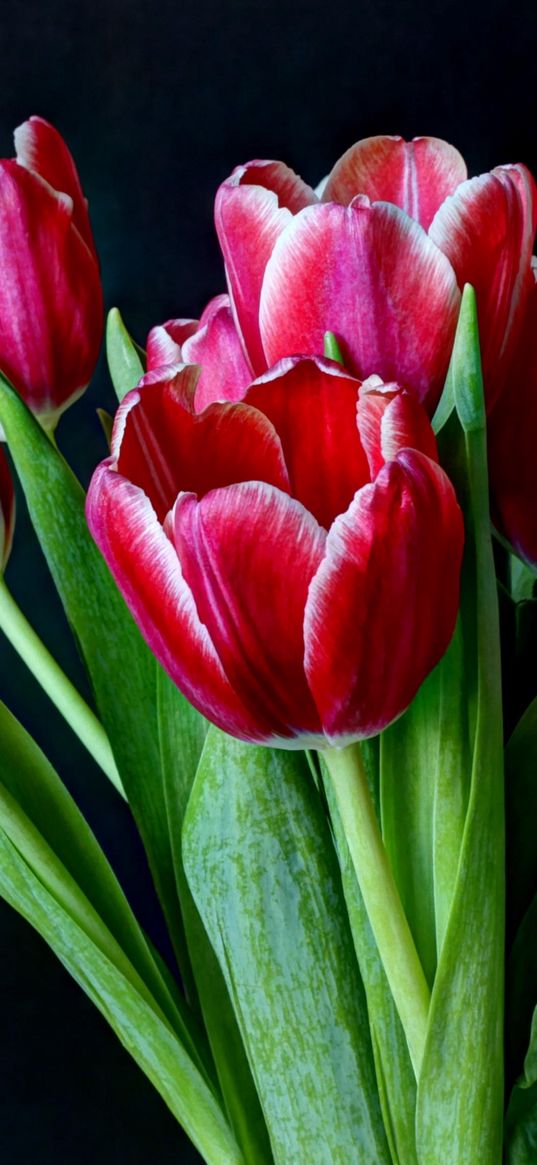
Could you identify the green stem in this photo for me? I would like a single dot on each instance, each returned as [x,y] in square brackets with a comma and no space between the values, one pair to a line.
[55,683]
[381,897]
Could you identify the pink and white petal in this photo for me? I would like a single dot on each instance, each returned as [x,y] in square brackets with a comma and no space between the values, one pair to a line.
[312,405]
[372,276]
[511,428]
[252,209]
[390,419]
[164,448]
[486,229]
[382,606]
[148,574]
[51,287]
[248,553]
[164,342]
[41,149]
[416,176]
[217,348]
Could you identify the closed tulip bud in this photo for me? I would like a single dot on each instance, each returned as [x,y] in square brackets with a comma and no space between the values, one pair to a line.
[293,557]
[51,307]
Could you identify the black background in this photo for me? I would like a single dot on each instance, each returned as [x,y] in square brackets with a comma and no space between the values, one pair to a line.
[158,101]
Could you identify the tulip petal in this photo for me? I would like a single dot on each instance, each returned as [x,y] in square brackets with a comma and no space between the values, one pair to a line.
[312,405]
[148,574]
[252,209]
[50,286]
[486,229]
[163,447]
[370,275]
[217,348]
[248,553]
[512,426]
[42,150]
[416,175]
[382,607]
[390,420]
[164,343]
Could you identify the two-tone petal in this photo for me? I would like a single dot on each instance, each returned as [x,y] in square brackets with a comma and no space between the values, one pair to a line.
[416,176]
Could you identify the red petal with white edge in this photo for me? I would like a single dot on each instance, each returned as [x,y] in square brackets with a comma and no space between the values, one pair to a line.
[389,420]
[416,175]
[512,427]
[217,348]
[248,553]
[148,574]
[312,405]
[382,607]
[51,309]
[252,209]
[486,230]
[40,148]
[164,448]
[164,342]
[371,275]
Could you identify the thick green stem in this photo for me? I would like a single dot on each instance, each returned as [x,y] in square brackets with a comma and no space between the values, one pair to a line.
[55,683]
[381,898]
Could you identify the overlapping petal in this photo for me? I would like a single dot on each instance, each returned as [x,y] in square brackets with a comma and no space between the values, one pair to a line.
[416,176]
[252,209]
[42,150]
[164,447]
[390,420]
[217,348]
[382,606]
[248,553]
[149,576]
[486,229]
[164,342]
[371,275]
[312,405]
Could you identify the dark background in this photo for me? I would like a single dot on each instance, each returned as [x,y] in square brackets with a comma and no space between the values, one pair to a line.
[158,101]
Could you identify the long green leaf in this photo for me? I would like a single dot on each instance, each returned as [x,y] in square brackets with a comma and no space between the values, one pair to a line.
[140,1027]
[182,733]
[521,1120]
[125,359]
[122,670]
[460,1092]
[264,876]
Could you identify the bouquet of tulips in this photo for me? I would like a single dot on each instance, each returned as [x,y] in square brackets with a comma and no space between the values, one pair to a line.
[302,584]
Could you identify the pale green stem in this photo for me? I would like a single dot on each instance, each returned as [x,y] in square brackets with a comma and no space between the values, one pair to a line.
[381,897]
[55,683]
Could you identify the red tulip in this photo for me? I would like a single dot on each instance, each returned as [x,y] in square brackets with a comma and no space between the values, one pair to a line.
[381,261]
[51,310]
[213,343]
[7,510]
[292,558]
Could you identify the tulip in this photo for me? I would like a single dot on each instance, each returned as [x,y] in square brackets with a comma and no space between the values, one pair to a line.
[213,343]
[380,259]
[51,309]
[7,510]
[292,558]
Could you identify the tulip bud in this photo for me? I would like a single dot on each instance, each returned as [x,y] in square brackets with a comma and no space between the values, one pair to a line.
[51,308]
[7,510]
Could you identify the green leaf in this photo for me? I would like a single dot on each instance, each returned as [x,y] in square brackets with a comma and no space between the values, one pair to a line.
[332,349]
[460,1092]
[123,671]
[395,1075]
[521,801]
[58,912]
[182,733]
[521,1119]
[125,358]
[263,872]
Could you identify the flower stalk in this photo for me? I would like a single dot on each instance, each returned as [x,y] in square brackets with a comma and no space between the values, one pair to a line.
[381,898]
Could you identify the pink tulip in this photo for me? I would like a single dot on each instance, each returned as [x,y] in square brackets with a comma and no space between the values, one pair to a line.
[51,309]
[380,260]
[7,510]
[292,558]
